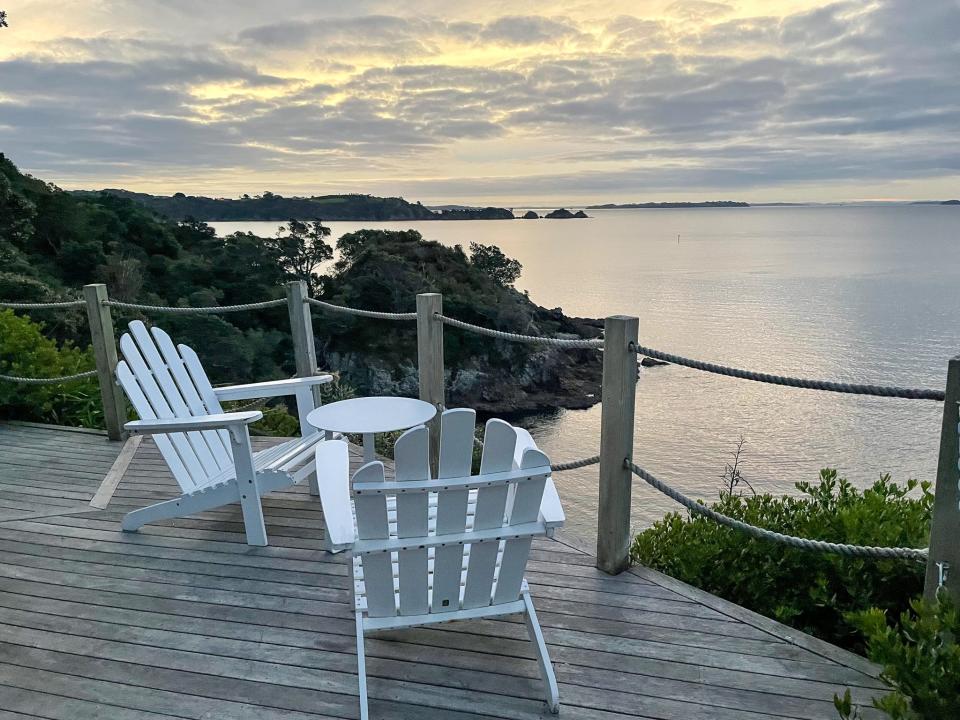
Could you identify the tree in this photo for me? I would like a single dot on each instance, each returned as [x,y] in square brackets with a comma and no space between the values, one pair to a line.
[301,249]
[3,19]
[491,260]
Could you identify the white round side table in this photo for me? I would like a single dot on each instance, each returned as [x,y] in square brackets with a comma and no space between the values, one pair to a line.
[370,415]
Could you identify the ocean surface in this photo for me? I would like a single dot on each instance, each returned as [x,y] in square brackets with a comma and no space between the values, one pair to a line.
[858,294]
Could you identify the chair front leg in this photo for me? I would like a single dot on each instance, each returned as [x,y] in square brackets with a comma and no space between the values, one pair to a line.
[551,692]
[247,485]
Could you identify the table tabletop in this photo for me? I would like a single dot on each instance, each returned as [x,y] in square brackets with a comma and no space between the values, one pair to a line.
[369,415]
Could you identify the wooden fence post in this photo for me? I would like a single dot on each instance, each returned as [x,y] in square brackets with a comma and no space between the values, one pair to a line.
[943,562]
[105,353]
[301,329]
[430,363]
[618,394]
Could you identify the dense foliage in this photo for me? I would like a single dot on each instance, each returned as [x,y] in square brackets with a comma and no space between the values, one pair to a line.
[25,352]
[491,260]
[920,657]
[811,591]
[270,206]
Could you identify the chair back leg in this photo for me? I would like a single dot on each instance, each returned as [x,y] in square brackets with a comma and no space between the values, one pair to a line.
[551,692]
[362,669]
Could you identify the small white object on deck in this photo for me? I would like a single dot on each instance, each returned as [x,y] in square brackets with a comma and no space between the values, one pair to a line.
[207,450]
[431,550]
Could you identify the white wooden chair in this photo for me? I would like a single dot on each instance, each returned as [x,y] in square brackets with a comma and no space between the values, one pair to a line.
[453,548]
[207,450]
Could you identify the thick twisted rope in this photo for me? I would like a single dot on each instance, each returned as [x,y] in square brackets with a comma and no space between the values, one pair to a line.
[516,337]
[764,534]
[362,313]
[557,467]
[40,306]
[573,465]
[47,381]
[208,310]
[827,385]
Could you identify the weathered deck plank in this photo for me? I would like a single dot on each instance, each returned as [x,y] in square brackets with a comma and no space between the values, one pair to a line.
[184,620]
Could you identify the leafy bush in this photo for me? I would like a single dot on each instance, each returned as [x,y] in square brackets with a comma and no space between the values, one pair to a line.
[920,659]
[811,591]
[24,351]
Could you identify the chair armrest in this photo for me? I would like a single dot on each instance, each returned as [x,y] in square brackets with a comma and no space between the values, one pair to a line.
[271,388]
[551,511]
[203,422]
[333,481]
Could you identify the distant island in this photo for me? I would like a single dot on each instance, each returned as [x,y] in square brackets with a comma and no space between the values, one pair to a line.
[270,206]
[657,205]
[564,214]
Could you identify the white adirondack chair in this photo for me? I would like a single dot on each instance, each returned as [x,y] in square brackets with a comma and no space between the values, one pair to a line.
[207,450]
[453,548]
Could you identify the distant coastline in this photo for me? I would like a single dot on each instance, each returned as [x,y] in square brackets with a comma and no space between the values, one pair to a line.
[355,207]
[660,205]
[272,207]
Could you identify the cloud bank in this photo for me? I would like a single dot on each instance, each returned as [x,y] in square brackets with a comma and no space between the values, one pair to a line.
[698,98]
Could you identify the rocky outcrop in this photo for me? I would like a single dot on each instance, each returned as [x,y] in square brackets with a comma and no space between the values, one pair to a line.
[530,215]
[564,214]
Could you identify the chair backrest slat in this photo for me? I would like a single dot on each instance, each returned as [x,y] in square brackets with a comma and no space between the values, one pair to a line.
[172,394]
[525,509]
[161,409]
[372,523]
[456,459]
[219,442]
[412,457]
[499,440]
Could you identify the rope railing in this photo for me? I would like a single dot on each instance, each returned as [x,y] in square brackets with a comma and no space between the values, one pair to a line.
[362,313]
[771,535]
[558,467]
[575,464]
[825,385]
[517,337]
[41,306]
[203,310]
[48,381]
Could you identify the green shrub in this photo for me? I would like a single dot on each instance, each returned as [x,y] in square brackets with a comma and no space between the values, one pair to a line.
[920,657]
[24,351]
[809,590]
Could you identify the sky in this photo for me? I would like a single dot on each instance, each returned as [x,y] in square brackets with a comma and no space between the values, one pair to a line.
[488,102]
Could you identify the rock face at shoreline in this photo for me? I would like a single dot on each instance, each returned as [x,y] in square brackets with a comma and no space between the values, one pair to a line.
[564,214]
[530,215]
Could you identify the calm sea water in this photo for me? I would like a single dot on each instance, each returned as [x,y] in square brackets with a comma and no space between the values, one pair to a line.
[861,294]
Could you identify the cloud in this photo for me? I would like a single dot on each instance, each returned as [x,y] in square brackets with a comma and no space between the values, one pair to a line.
[699,96]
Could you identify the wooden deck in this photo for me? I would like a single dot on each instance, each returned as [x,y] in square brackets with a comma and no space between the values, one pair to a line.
[183,620]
